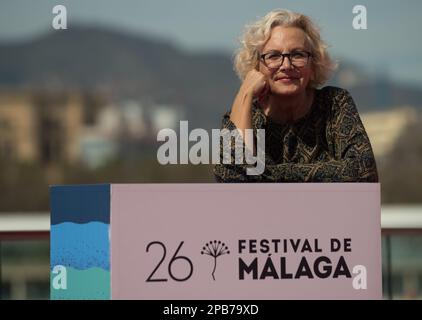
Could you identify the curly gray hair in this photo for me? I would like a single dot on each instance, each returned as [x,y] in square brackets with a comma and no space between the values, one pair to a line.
[257,34]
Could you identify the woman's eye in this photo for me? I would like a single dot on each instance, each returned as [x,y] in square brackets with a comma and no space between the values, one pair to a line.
[273,56]
[298,55]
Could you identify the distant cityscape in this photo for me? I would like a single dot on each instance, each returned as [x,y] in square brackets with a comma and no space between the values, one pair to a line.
[73,127]
[385,127]
[90,96]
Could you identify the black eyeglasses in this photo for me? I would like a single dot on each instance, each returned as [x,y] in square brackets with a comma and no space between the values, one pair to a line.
[275,59]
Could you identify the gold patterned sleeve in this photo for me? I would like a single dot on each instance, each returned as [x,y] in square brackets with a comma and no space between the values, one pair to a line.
[230,172]
[352,159]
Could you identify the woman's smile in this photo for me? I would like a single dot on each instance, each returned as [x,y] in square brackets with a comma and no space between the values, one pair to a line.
[286,79]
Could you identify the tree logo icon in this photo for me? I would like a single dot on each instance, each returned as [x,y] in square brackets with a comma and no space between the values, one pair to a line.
[215,249]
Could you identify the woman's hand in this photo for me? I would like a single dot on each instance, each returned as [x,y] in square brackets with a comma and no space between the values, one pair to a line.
[256,85]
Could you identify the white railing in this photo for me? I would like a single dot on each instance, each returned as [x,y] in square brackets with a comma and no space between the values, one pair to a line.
[392,217]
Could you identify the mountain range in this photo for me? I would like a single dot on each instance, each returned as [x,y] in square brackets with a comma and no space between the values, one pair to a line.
[136,66]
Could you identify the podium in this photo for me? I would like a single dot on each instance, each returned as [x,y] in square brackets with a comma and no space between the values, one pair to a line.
[216,241]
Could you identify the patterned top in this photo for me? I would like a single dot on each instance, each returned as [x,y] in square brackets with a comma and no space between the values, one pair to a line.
[328,144]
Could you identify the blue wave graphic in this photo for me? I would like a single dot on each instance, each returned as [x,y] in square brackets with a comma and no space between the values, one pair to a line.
[81,246]
[80,203]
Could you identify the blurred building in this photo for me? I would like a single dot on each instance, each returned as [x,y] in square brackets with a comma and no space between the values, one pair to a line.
[385,127]
[164,116]
[73,127]
[43,127]
[17,127]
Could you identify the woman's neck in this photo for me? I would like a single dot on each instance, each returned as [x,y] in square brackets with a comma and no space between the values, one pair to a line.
[288,109]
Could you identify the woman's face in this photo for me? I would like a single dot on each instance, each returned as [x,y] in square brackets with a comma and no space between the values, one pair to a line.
[287,40]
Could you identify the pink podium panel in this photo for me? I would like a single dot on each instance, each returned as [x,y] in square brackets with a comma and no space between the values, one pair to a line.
[245,241]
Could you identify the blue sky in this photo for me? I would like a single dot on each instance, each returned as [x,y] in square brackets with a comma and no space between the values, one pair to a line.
[391,44]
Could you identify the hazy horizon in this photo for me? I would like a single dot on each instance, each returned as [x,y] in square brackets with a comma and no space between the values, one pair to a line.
[389,46]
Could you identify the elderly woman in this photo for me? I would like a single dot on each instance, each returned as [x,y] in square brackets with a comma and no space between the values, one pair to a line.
[312,134]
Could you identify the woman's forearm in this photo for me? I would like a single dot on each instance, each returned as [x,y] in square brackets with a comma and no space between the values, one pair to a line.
[241,112]
[241,116]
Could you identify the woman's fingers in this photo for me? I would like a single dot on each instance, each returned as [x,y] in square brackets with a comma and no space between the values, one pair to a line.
[255,82]
[264,93]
